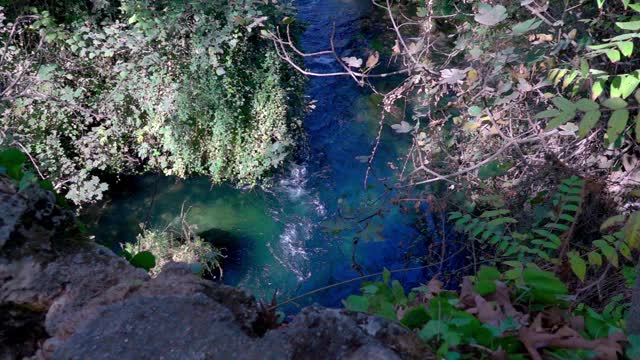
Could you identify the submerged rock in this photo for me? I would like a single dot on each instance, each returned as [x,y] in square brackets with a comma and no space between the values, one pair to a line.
[62,297]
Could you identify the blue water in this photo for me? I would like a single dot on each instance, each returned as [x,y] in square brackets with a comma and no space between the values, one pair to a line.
[299,235]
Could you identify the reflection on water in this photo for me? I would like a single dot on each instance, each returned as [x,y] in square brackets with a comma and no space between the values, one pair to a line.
[307,230]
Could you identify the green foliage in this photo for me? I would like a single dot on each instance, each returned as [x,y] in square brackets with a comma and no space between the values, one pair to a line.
[469,324]
[551,237]
[143,259]
[182,88]
[176,242]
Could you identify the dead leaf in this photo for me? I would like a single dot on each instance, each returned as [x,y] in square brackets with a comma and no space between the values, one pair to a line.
[396,48]
[435,286]
[467,295]
[373,60]
[487,314]
[452,76]
[352,61]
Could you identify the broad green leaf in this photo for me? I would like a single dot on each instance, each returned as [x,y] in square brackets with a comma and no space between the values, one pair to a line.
[608,251]
[526,26]
[569,79]
[490,15]
[612,221]
[617,124]
[485,287]
[386,276]
[615,103]
[624,250]
[488,273]
[415,318]
[563,104]
[578,265]
[493,169]
[623,86]
[548,235]
[613,55]
[502,221]
[587,105]
[561,119]
[629,25]
[584,67]
[432,329]
[475,111]
[626,47]
[594,258]
[597,89]
[545,286]
[548,113]
[589,120]
[632,230]
[144,260]
[356,303]
[494,213]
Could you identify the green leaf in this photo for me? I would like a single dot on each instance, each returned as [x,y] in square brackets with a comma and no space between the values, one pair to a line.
[494,213]
[475,111]
[502,221]
[569,79]
[613,55]
[584,67]
[545,286]
[608,251]
[432,329]
[626,47]
[632,230]
[554,238]
[615,103]
[578,265]
[548,113]
[526,26]
[144,260]
[386,276]
[587,105]
[356,303]
[415,318]
[623,86]
[561,119]
[564,104]
[629,25]
[617,124]
[490,15]
[594,258]
[485,287]
[493,169]
[597,89]
[133,19]
[589,121]
[488,273]
[612,221]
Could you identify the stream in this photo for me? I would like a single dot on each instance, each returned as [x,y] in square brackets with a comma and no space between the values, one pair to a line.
[299,234]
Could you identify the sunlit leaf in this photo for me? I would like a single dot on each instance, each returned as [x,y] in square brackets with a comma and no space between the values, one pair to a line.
[629,25]
[526,26]
[578,265]
[490,15]
[617,124]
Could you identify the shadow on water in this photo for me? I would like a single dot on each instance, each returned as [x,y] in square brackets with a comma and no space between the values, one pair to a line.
[305,232]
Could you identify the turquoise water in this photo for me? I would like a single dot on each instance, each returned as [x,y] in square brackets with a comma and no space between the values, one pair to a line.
[307,231]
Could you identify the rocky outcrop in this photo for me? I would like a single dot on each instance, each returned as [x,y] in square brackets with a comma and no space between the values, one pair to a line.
[62,298]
